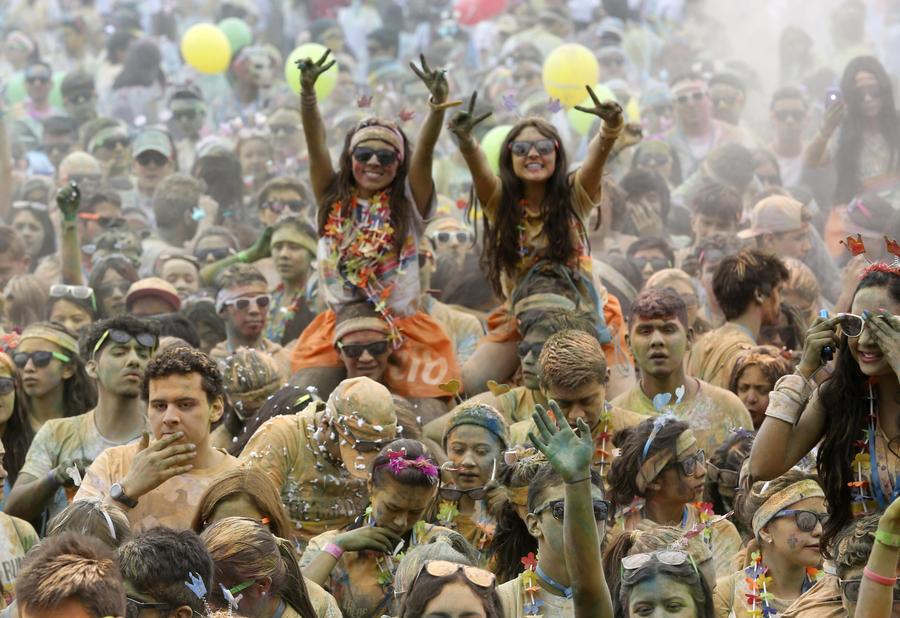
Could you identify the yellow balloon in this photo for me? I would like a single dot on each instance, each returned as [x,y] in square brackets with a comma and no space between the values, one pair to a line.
[567,70]
[206,48]
[327,80]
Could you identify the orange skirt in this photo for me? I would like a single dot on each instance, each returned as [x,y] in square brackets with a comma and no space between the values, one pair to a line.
[424,361]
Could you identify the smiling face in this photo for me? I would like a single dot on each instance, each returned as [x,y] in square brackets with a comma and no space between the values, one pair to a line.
[533,166]
[370,363]
[28,227]
[370,175]
[864,348]
[472,450]
[662,597]
[396,506]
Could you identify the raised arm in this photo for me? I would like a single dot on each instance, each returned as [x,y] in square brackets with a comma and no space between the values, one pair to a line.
[461,126]
[816,154]
[68,199]
[420,165]
[601,145]
[570,454]
[321,171]
[876,591]
[259,250]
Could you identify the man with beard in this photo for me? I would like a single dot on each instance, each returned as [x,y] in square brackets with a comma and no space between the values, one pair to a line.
[116,352]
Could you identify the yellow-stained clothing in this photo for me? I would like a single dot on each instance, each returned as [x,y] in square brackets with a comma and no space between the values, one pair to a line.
[464,329]
[323,603]
[513,599]
[518,403]
[17,537]
[823,600]
[712,359]
[730,598]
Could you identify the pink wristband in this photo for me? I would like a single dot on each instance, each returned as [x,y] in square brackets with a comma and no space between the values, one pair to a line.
[879,579]
[334,550]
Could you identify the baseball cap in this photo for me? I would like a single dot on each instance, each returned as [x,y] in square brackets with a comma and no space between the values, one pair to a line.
[156,140]
[776,213]
[153,287]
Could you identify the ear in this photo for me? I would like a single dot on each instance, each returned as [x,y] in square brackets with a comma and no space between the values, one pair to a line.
[183,612]
[690,338]
[628,343]
[370,486]
[533,523]
[265,585]
[216,409]
[68,371]
[90,367]
[758,296]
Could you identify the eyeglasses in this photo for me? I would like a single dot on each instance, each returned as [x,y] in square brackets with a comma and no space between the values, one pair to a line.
[671,557]
[385,157]
[462,237]
[105,222]
[242,304]
[7,385]
[279,206]
[524,348]
[77,292]
[362,446]
[806,520]
[121,337]
[187,114]
[558,509]
[355,350]
[39,359]
[219,253]
[851,324]
[114,141]
[850,590]
[283,129]
[522,148]
[38,79]
[690,464]
[134,607]
[152,157]
[657,263]
[454,494]
[725,478]
[696,97]
[795,115]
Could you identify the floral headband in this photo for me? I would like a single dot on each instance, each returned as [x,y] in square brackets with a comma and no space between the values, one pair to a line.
[398,462]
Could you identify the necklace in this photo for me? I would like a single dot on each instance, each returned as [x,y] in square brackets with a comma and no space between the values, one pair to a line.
[531,606]
[565,591]
[279,317]
[758,580]
[602,440]
[864,467]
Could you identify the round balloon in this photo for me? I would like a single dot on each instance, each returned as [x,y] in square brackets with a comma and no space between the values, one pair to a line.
[15,88]
[327,80]
[580,122]
[491,144]
[567,70]
[238,33]
[471,12]
[206,48]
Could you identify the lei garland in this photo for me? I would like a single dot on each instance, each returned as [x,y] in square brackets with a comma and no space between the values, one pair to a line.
[757,578]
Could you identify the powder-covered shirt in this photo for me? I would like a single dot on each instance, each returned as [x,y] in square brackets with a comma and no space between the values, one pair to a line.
[17,537]
[513,598]
[713,358]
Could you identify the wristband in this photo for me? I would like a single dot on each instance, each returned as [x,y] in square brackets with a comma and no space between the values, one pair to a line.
[243,257]
[440,107]
[334,550]
[587,478]
[888,539]
[879,579]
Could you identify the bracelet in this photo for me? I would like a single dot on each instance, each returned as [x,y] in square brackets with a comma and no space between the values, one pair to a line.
[334,550]
[879,579]
[587,478]
[887,538]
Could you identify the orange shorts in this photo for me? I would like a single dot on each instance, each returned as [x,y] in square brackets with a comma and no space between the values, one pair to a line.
[424,361]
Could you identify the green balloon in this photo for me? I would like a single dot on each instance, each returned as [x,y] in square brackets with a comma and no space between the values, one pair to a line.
[491,144]
[238,32]
[15,89]
[56,99]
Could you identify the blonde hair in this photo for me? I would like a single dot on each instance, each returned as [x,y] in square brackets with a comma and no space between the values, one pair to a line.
[93,517]
[570,359]
[249,483]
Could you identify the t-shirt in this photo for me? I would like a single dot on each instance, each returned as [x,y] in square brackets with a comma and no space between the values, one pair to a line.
[60,440]
[730,598]
[322,602]
[173,504]
[821,601]
[353,579]
[712,359]
[712,412]
[318,492]
[518,404]
[17,537]
[464,329]
[513,598]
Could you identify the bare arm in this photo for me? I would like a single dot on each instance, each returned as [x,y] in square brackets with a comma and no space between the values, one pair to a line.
[68,199]
[602,143]
[461,126]
[321,170]
[30,495]
[260,249]
[876,599]
[816,153]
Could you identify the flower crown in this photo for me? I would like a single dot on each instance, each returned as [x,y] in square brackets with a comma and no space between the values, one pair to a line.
[398,462]
[856,247]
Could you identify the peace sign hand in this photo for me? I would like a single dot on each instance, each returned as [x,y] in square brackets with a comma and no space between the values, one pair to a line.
[569,453]
[464,121]
[435,81]
[609,111]
[310,71]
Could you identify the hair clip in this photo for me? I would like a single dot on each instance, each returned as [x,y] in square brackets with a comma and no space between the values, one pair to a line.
[196,585]
[658,423]
[554,106]
[233,601]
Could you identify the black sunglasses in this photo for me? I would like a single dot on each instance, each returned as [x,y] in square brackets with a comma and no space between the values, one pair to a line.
[522,148]
[219,253]
[790,114]
[558,509]
[279,206]
[38,79]
[850,590]
[454,494]
[151,156]
[40,359]
[355,350]
[362,446]
[114,141]
[684,99]
[806,520]
[385,157]
[657,263]
[188,114]
[524,348]
[443,237]
[7,385]
[121,337]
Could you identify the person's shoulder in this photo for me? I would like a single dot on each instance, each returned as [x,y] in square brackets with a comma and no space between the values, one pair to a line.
[623,417]
[629,400]
[721,396]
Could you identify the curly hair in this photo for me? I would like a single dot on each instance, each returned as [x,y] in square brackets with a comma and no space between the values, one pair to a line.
[623,473]
[570,359]
[740,277]
[656,303]
[182,360]
[767,359]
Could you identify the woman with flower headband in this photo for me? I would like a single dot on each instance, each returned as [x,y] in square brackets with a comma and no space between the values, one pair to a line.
[854,416]
[781,562]
[372,211]
[356,564]
[659,476]
[533,199]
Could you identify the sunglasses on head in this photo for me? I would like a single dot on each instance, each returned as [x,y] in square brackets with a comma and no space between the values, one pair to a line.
[558,509]
[355,350]
[689,464]
[77,292]
[361,446]
[521,148]
[461,237]
[790,114]
[454,494]
[696,97]
[7,385]
[219,253]
[243,303]
[524,348]
[385,156]
[39,359]
[851,324]
[121,337]
[152,157]
[445,568]
[850,590]
[806,520]
[279,206]
[671,557]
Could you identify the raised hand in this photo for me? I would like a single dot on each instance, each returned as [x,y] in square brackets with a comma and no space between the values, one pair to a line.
[68,199]
[886,330]
[632,134]
[834,116]
[609,111]
[310,70]
[370,538]
[262,248]
[156,463]
[464,121]
[569,453]
[435,81]
[820,335]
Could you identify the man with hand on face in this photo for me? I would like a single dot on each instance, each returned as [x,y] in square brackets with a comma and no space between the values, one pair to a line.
[116,353]
[160,480]
[319,458]
[659,336]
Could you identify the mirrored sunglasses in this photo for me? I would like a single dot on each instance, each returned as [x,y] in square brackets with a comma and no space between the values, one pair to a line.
[121,337]
[806,520]
[521,148]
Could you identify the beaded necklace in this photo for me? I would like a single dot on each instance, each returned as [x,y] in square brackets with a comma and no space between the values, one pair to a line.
[602,441]
[448,511]
[864,468]
[531,605]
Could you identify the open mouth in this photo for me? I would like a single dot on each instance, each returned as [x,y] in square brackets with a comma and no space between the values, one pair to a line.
[534,166]
[869,357]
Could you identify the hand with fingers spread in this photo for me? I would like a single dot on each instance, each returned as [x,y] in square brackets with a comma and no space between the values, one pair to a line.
[644,218]
[464,121]
[435,81]
[156,463]
[311,70]
[885,328]
[609,111]
[819,336]
[68,199]
[370,538]
[569,453]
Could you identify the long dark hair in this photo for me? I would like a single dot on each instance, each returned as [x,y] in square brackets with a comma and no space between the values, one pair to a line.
[850,139]
[49,244]
[141,66]
[341,188]
[500,252]
[18,434]
[114,261]
[512,539]
[844,398]
[426,587]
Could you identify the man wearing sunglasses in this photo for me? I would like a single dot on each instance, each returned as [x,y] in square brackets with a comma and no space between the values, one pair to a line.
[319,458]
[79,96]
[153,160]
[116,353]
[788,114]
[280,196]
[449,237]
[38,84]
[243,303]
[188,117]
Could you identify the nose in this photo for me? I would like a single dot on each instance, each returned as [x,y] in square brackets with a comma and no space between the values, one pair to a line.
[573,414]
[468,460]
[366,356]
[700,471]
[170,416]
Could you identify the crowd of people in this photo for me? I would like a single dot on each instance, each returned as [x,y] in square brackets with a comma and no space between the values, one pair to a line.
[398,329]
